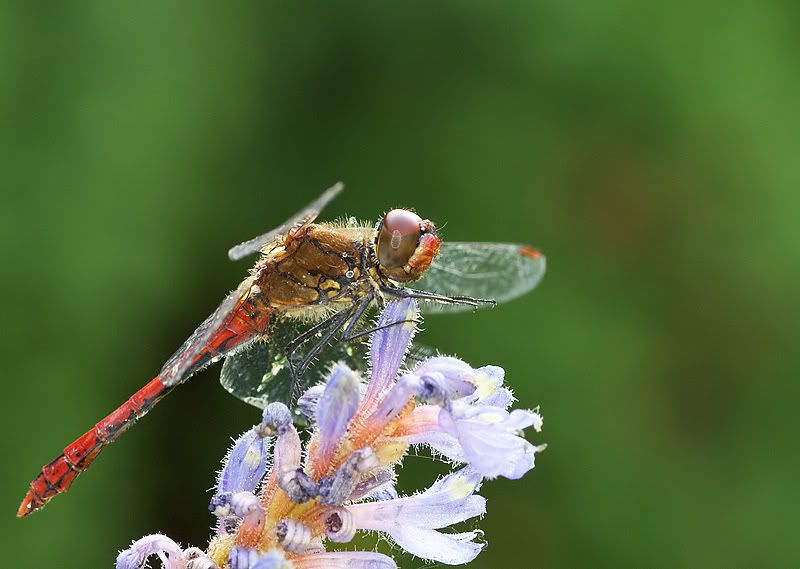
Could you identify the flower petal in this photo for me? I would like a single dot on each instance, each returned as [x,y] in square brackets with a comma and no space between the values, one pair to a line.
[272,560]
[389,346]
[156,544]
[288,454]
[393,401]
[308,401]
[443,443]
[452,549]
[454,374]
[488,438]
[448,501]
[336,407]
[276,417]
[344,560]
[489,388]
[245,463]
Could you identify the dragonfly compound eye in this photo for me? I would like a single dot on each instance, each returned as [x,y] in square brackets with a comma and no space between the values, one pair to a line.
[406,244]
[398,238]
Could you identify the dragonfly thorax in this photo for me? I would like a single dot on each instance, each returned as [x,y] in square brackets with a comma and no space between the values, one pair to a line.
[315,265]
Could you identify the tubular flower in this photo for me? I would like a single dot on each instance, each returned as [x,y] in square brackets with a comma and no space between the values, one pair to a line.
[282,506]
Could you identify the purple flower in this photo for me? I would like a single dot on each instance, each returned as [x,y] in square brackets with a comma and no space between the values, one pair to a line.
[271,560]
[412,521]
[282,511]
[472,425]
[390,345]
[169,552]
[345,560]
[246,462]
[337,405]
[489,438]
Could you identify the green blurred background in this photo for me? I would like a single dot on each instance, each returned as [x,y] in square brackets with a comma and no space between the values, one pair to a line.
[650,149]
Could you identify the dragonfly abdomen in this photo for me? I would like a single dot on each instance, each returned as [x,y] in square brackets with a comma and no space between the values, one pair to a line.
[57,476]
[245,322]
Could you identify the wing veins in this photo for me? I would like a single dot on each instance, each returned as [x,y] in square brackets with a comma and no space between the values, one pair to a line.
[305,215]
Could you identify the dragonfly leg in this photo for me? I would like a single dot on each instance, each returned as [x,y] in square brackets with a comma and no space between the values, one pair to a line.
[302,338]
[328,328]
[348,337]
[359,312]
[423,295]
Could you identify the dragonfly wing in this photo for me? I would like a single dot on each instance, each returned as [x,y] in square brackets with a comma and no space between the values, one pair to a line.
[495,271]
[188,358]
[305,215]
[259,374]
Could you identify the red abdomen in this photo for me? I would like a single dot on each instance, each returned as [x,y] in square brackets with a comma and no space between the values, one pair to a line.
[217,336]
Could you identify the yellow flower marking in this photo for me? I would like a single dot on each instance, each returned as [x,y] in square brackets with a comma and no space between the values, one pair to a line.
[220,547]
[460,488]
[484,384]
[411,316]
[252,458]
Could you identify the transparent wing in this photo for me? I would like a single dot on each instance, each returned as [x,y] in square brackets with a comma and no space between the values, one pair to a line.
[305,215]
[258,374]
[495,271]
[184,362]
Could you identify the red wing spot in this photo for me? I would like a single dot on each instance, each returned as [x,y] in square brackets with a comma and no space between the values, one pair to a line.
[530,252]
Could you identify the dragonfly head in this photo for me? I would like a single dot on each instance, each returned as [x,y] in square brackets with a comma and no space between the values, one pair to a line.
[405,245]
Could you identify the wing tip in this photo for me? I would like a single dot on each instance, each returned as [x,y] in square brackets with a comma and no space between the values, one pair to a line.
[242,250]
[234,253]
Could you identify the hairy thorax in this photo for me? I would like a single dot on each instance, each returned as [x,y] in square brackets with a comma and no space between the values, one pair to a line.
[313,267]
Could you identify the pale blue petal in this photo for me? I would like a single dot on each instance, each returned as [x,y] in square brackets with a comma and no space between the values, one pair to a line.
[489,390]
[308,401]
[245,464]
[389,346]
[336,407]
[385,492]
[448,501]
[393,401]
[501,397]
[270,560]
[167,550]
[488,438]
[454,375]
[345,560]
[452,549]
[443,443]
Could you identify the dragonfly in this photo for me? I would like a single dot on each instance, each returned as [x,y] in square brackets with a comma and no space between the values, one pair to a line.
[312,280]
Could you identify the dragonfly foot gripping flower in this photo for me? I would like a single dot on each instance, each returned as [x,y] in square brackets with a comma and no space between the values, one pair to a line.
[280,504]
